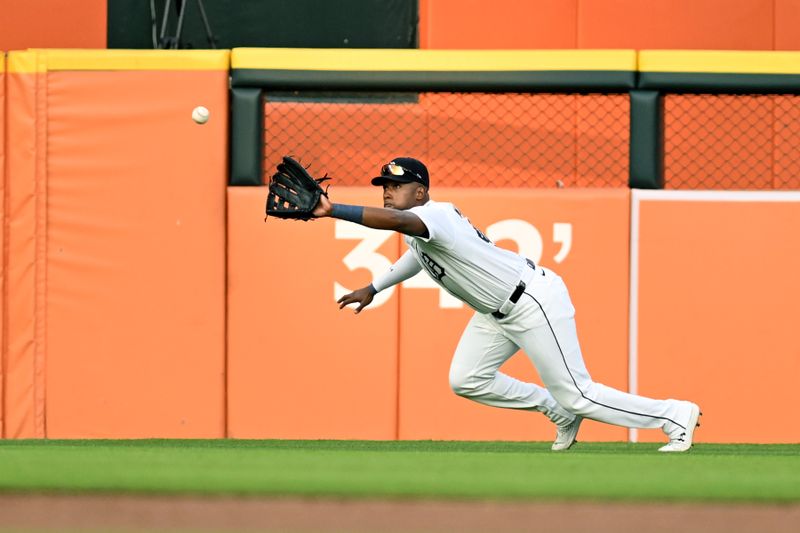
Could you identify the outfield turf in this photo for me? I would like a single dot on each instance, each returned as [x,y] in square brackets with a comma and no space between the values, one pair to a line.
[404,469]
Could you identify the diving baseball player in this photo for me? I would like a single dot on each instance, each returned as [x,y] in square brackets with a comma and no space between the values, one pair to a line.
[518,305]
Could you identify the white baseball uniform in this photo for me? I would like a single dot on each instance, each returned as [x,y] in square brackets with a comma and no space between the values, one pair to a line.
[518,305]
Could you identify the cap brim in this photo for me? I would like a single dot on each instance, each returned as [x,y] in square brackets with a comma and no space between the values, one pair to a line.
[380,180]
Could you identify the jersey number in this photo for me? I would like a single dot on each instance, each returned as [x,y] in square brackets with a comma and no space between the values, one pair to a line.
[433,268]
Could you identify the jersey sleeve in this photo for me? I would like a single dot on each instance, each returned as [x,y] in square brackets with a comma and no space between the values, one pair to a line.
[404,268]
[439,221]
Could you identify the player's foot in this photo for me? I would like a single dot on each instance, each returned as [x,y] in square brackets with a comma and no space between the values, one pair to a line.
[680,439]
[566,435]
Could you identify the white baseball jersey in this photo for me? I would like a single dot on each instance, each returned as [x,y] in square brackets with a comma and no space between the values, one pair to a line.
[462,260]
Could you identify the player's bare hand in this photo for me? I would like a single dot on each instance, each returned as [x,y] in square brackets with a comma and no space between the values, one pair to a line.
[323,208]
[363,297]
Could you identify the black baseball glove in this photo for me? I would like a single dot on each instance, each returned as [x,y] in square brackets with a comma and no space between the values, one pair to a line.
[293,192]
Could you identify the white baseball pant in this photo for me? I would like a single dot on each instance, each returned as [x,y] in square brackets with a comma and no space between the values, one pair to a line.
[542,324]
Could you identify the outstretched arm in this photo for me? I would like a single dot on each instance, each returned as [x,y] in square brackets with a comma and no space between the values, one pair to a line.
[373,217]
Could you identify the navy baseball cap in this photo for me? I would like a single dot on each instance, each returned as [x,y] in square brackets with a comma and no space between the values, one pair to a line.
[403,170]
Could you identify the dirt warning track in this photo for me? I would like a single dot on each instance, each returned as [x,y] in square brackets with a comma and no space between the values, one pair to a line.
[225,514]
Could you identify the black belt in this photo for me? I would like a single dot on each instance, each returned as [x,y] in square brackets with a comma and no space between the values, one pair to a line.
[517,294]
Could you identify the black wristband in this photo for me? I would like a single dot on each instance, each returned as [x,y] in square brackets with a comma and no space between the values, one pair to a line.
[372,288]
[352,213]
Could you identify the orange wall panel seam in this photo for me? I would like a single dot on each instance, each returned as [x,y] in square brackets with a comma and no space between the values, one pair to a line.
[399,329]
[3,239]
[20,394]
[40,252]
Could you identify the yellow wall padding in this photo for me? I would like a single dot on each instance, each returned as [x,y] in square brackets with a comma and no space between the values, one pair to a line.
[56,60]
[431,60]
[719,61]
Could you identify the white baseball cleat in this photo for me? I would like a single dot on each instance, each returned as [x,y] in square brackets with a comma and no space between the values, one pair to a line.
[565,436]
[682,441]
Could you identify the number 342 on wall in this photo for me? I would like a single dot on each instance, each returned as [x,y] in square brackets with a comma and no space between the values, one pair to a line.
[527,238]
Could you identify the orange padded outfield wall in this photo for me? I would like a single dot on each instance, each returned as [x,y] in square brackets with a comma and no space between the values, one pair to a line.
[116,254]
[297,366]
[714,292]
[384,373]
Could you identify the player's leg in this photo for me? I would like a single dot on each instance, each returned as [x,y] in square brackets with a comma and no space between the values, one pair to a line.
[544,326]
[474,374]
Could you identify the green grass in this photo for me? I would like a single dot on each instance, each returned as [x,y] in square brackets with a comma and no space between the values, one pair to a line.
[405,469]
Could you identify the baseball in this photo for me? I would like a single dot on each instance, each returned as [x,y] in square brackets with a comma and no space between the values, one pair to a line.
[200,114]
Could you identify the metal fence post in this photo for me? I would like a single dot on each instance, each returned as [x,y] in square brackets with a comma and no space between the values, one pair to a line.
[247,136]
[647,140]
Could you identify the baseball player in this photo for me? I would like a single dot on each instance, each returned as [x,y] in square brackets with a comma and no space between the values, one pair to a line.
[518,305]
